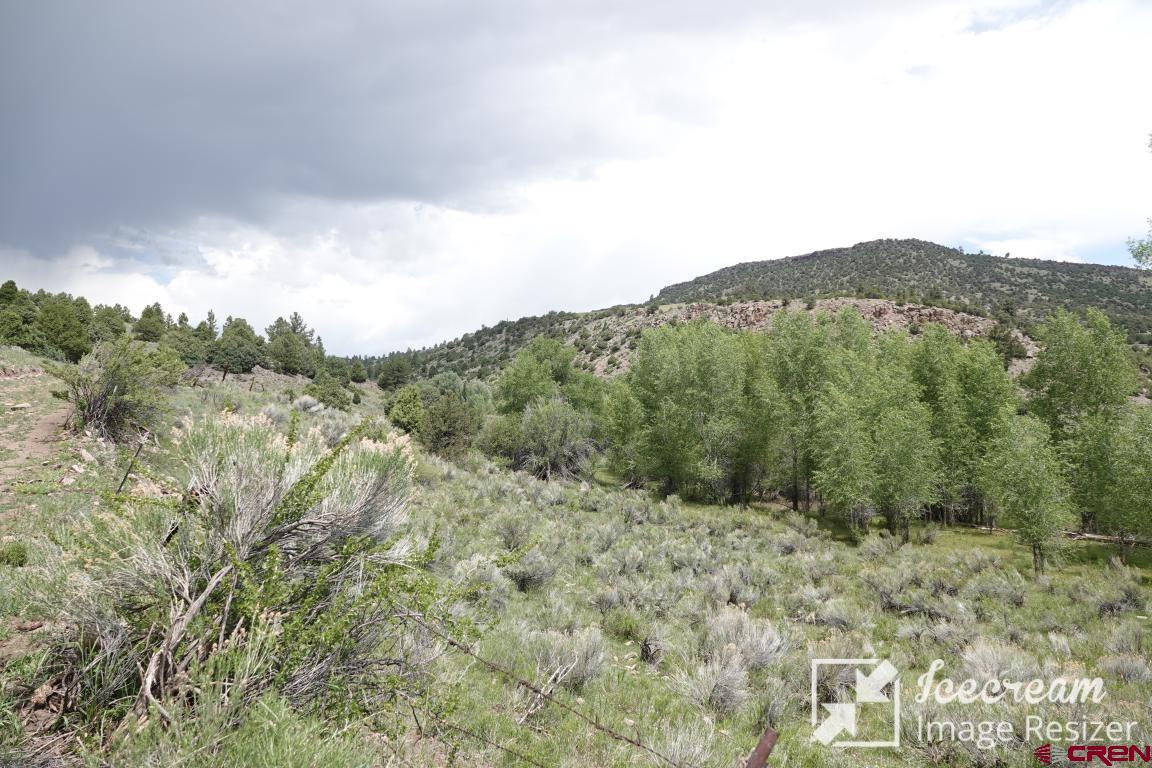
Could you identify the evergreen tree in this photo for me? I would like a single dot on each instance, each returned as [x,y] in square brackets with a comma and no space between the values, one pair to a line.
[206,329]
[239,349]
[151,325]
[107,323]
[407,411]
[395,371]
[449,425]
[62,328]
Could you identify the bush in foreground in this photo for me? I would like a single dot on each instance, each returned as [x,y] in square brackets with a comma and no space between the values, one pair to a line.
[118,388]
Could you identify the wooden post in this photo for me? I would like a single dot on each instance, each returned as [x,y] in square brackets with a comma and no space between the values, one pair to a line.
[131,464]
[759,756]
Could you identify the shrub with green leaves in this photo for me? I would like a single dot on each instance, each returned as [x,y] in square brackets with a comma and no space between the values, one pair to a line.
[118,389]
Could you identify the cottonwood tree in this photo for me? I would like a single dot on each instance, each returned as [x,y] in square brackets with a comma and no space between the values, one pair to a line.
[846,477]
[699,417]
[1023,476]
[1129,513]
[799,364]
[1084,369]
[1080,384]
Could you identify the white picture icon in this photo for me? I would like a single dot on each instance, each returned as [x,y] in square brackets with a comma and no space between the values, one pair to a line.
[839,725]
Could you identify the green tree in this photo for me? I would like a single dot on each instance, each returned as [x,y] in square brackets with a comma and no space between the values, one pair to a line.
[63,328]
[700,415]
[8,292]
[395,371]
[151,325]
[330,391]
[526,380]
[449,426]
[290,355]
[1023,476]
[18,324]
[206,329]
[186,344]
[239,349]
[800,366]
[407,411]
[846,477]
[1129,513]
[107,323]
[357,372]
[291,347]
[1084,369]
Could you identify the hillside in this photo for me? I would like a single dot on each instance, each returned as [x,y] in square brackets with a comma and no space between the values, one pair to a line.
[922,271]
[606,339]
[906,282]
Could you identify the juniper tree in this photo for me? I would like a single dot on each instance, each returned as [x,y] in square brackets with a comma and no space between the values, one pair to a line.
[239,349]
[407,411]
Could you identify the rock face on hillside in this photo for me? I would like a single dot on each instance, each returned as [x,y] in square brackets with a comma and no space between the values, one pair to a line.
[606,344]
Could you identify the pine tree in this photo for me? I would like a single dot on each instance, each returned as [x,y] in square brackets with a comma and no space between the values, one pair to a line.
[151,325]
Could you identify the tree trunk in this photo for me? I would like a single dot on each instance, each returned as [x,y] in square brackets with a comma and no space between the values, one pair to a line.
[795,481]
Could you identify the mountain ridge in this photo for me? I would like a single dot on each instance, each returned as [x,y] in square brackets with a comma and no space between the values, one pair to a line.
[921,276]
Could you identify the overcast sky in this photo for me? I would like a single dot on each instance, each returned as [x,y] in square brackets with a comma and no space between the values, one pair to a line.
[403,172]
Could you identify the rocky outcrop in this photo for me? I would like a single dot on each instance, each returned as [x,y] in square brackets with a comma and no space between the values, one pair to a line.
[607,343]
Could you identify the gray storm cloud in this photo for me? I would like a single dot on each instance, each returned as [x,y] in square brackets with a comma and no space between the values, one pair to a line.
[137,114]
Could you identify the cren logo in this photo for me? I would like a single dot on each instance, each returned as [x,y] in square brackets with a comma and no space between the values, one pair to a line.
[876,682]
[1044,754]
[1109,755]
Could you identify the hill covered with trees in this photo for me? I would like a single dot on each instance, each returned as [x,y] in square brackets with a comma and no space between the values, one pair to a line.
[917,270]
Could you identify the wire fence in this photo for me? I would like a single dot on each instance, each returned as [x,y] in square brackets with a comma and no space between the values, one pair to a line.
[757,759]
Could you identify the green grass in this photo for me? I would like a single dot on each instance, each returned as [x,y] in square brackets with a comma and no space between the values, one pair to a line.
[636,569]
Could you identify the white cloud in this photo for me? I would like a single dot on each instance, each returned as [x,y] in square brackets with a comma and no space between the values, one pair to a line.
[1027,136]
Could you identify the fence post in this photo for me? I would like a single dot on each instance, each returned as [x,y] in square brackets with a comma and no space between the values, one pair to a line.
[759,756]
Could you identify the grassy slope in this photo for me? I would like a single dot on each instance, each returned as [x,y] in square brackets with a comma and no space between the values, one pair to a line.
[636,568]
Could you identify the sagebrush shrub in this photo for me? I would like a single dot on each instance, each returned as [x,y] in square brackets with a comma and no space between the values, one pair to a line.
[720,685]
[579,655]
[732,630]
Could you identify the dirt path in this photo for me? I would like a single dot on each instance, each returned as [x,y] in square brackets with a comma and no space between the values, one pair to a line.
[31,421]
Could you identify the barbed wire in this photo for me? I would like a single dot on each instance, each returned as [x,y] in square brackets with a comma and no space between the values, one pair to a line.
[546,696]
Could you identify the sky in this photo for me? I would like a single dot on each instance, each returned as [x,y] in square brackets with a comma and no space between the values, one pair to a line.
[401,172]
